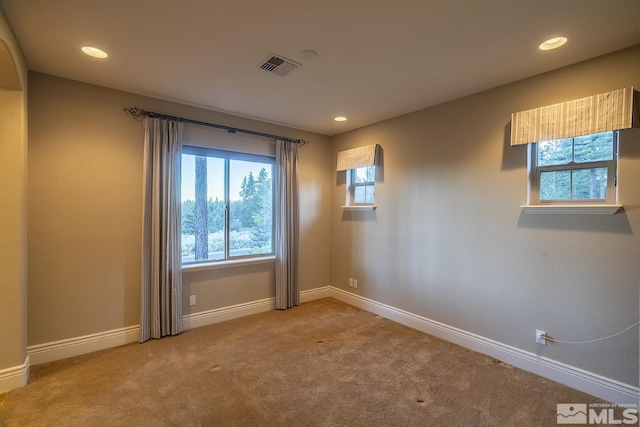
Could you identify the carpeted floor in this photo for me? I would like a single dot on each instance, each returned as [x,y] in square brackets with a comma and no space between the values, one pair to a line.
[324,363]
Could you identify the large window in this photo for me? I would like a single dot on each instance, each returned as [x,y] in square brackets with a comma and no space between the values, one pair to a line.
[227,205]
[580,170]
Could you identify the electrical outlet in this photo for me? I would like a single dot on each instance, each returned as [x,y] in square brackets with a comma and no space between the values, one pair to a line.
[541,337]
[355,283]
[350,282]
[192,300]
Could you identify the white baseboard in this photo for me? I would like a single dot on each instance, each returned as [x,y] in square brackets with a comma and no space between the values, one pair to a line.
[217,315]
[56,350]
[313,294]
[14,377]
[579,379]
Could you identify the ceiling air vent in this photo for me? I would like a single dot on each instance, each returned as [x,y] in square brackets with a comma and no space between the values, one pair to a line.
[277,64]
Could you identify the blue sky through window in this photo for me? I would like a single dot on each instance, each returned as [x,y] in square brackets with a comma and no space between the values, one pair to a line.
[215,176]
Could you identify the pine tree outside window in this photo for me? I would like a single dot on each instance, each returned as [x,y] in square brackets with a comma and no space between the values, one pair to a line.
[579,170]
[227,205]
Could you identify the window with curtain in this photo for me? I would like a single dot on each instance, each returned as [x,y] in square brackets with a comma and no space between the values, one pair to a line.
[227,205]
[573,148]
[359,165]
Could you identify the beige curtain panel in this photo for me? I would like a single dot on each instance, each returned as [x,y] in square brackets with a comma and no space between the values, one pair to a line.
[161,293]
[613,110]
[358,157]
[287,225]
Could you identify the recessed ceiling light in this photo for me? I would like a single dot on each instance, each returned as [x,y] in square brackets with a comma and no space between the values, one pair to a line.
[340,119]
[553,43]
[94,52]
[308,54]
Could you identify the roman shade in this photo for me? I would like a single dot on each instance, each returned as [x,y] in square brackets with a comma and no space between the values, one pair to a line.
[608,111]
[358,157]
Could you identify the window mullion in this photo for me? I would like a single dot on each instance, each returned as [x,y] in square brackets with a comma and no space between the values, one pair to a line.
[571,195]
[227,209]
[576,166]
[571,168]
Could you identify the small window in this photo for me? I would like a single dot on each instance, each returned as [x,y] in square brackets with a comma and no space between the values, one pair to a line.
[227,205]
[580,170]
[361,186]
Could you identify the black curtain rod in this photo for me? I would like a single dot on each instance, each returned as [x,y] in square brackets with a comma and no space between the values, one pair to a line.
[138,113]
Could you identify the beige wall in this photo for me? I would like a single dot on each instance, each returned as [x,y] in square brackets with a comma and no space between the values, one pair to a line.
[448,240]
[85,171]
[13,215]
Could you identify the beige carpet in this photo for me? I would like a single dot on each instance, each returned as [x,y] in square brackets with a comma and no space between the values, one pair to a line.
[324,363]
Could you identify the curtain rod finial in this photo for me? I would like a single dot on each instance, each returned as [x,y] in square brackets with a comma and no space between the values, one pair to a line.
[135,112]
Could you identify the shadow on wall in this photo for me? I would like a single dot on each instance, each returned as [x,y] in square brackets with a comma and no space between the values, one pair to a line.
[607,224]
[380,165]
[9,79]
[512,157]
[359,215]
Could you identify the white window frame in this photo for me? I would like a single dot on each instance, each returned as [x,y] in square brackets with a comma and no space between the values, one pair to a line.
[352,184]
[227,156]
[572,206]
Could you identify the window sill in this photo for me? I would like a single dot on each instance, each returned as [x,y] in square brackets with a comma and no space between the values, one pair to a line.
[360,208]
[226,264]
[571,209]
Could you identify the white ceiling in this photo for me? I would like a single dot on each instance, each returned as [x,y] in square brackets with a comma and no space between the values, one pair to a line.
[377,58]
